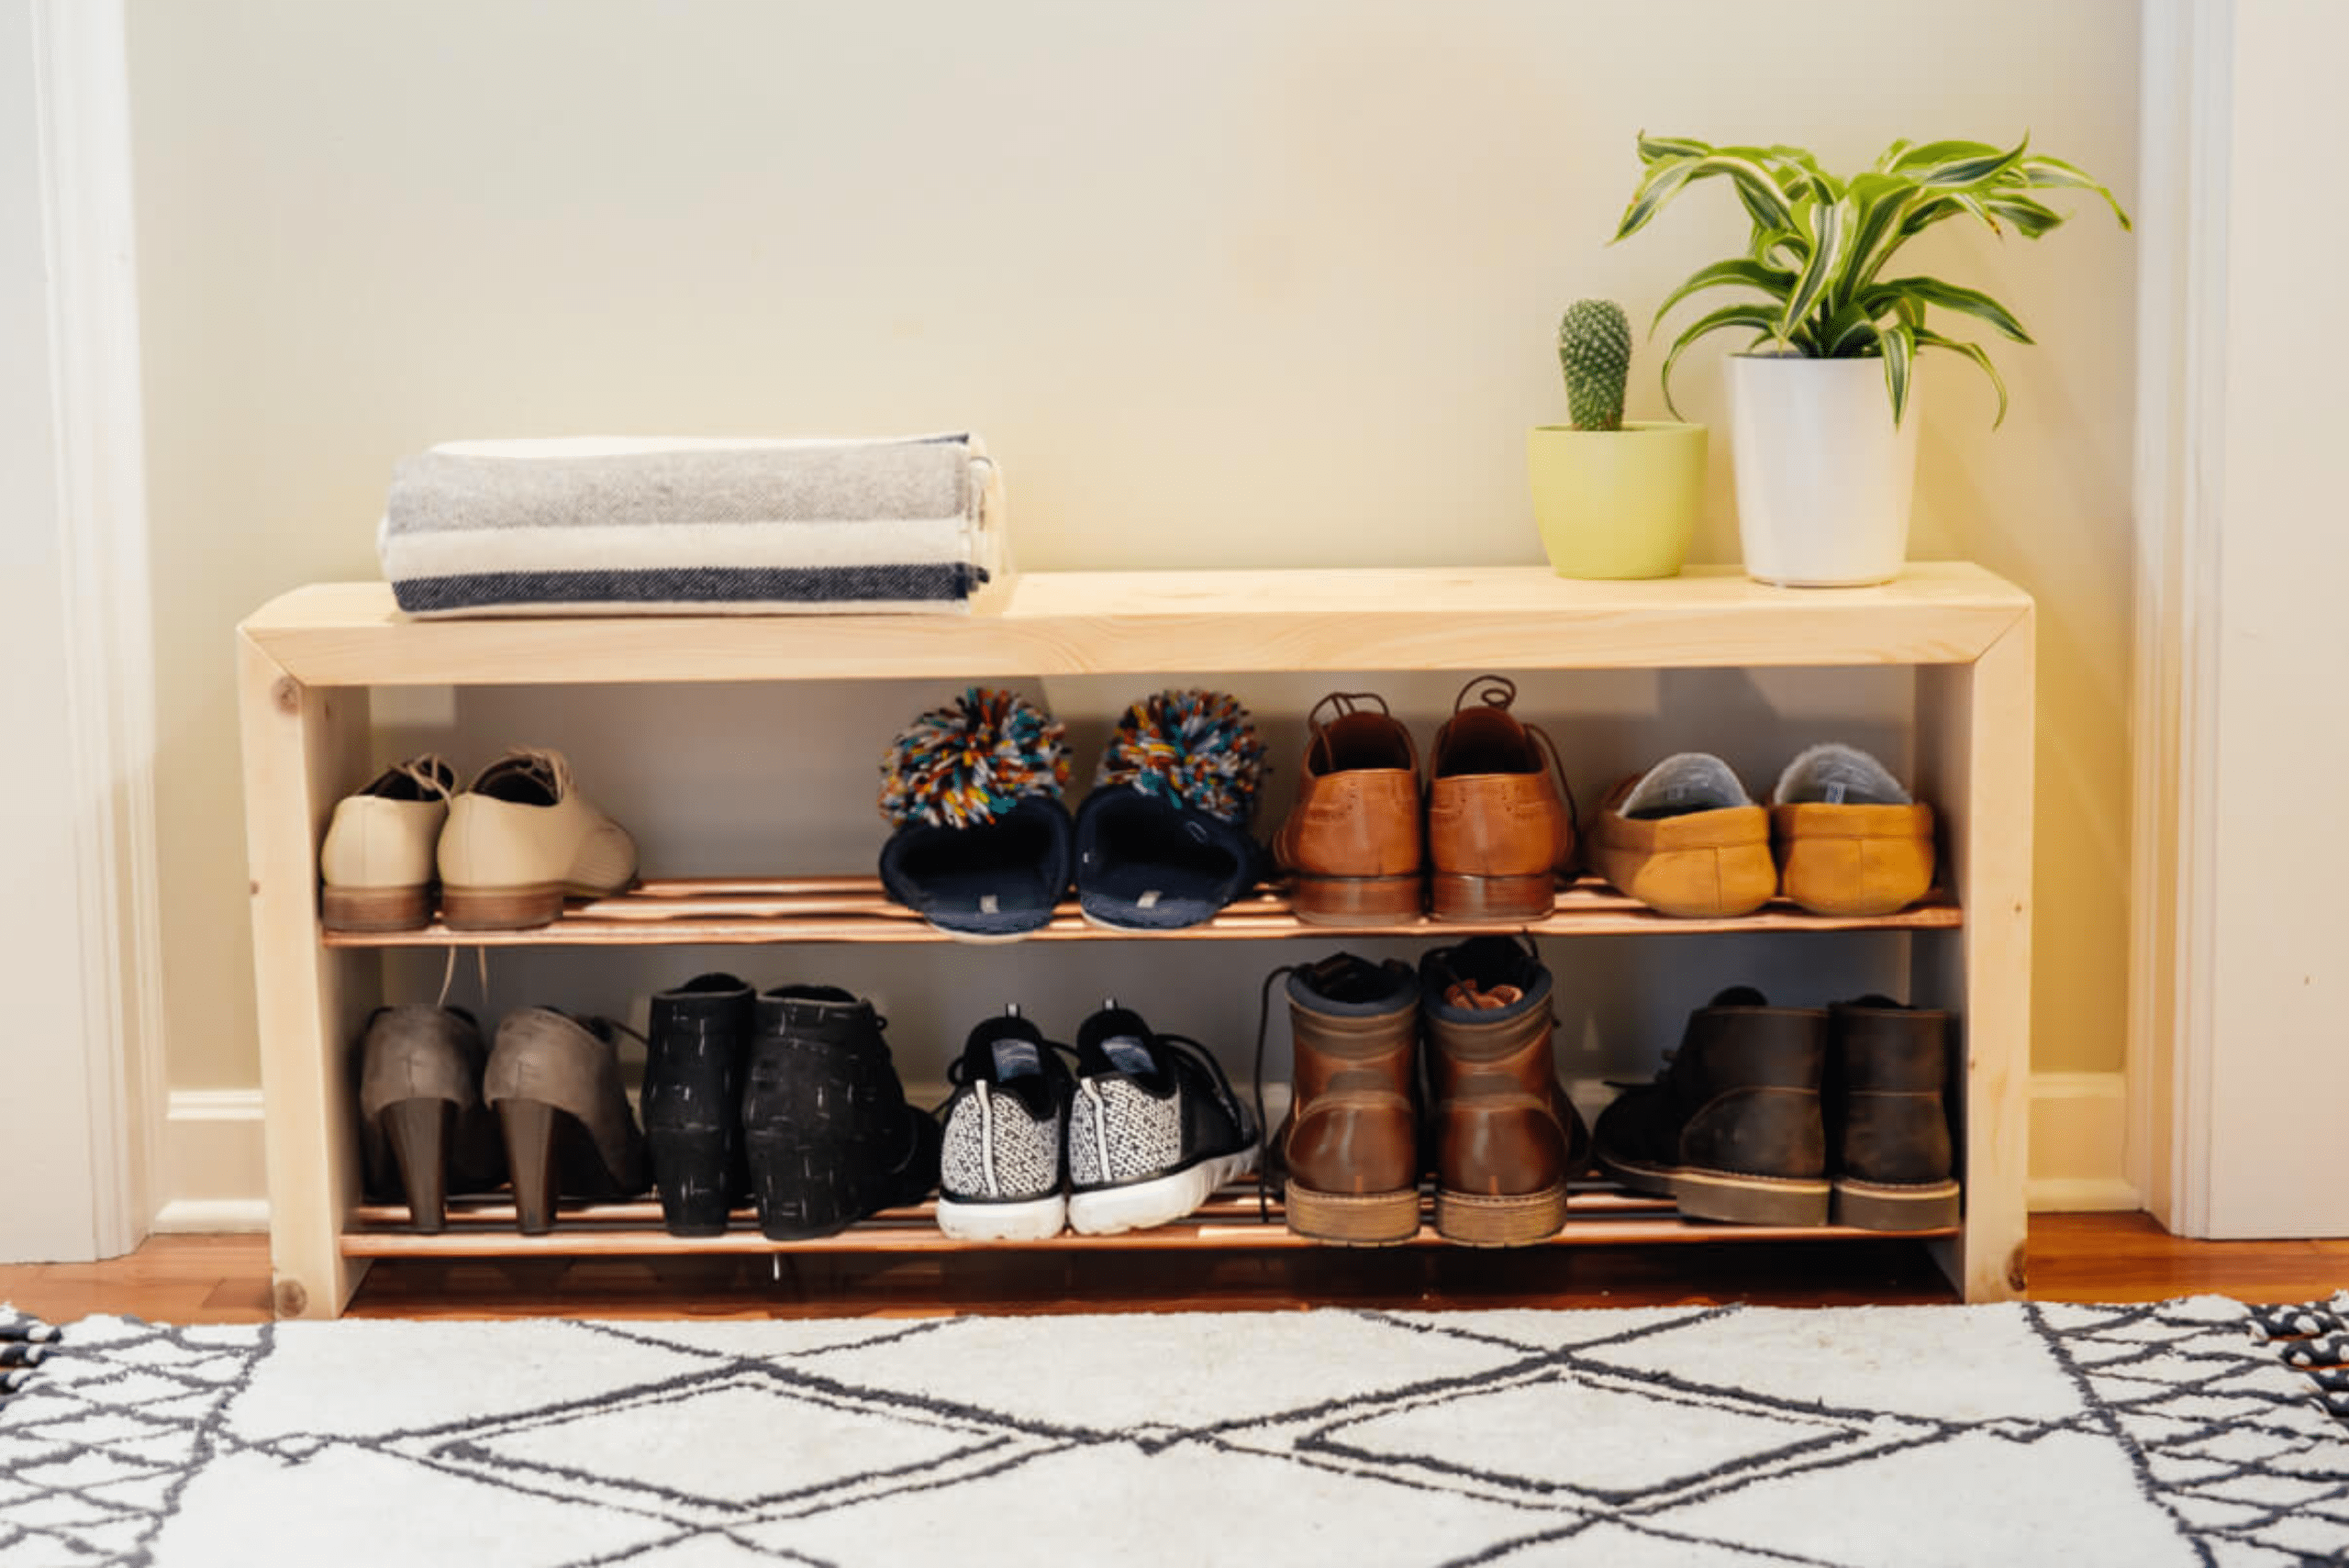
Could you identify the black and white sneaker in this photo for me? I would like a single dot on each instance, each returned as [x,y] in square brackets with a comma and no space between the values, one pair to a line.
[1155,1128]
[1001,1173]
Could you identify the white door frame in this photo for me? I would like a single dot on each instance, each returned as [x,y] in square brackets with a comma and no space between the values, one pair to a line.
[78,72]
[2187,122]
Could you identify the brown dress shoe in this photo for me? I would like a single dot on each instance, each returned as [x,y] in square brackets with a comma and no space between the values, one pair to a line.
[1507,1138]
[1349,1146]
[1886,1120]
[1731,1128]
[1352,844]
[1684,838]
[1499,825]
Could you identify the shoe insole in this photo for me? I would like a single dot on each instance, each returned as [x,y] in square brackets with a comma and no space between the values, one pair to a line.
[1683,784]
[1127,1054]
[1150,860]
[1004,862]
[1017,1059]
[1836,774]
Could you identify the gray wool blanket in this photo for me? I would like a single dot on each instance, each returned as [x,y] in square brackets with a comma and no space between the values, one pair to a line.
[692,527]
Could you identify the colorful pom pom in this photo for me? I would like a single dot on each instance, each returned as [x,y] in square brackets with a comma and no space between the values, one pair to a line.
[964,764]
[1196,748]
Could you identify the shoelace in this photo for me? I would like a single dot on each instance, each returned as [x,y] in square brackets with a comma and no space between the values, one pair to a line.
[430,772]
[1500,692]
[1264,1156]
[550,767]
[448,975]
[1347,705]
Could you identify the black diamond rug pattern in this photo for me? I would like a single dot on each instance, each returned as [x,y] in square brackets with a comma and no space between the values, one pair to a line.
[2084,1435]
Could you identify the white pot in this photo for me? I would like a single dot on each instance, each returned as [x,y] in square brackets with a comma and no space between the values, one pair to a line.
[1823,478]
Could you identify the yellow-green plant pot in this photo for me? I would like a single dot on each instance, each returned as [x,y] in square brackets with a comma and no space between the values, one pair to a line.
[1617,503]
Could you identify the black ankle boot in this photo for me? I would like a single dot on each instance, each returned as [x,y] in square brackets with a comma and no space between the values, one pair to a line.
[824,1117]
[693,1100]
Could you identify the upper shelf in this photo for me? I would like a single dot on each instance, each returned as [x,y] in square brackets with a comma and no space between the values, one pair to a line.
[682,912]
[1069,623]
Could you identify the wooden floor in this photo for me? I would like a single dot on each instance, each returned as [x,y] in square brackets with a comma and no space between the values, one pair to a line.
[2087,1257]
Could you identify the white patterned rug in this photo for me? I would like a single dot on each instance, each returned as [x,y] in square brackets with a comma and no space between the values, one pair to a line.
[2073,1435]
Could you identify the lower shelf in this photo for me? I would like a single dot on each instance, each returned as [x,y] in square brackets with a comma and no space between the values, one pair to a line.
[1597,1215]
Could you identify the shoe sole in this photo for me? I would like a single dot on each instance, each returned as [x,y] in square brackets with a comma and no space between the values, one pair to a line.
[1513,1219]
[1356,900]
[1037,1220]
[1876,1205]
[517,908]
[1458,896]
[376,908]
[1353,1220]
[1107,1211]
[1725,1196]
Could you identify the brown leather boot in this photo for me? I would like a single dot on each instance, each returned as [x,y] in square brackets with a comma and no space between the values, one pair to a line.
[1731,1128]
[1887,1118]
[1500,828]
[1352,844]
[1507,1138]
[1349,1146]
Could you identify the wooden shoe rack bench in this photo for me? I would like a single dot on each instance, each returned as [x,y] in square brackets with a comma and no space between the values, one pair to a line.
[309,659]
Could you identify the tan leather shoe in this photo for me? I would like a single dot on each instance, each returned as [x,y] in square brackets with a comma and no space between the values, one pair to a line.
[1507,1138]
[1352,844]
[376,863]
[1499,825]
[520,840]
[1684,838]
[1850,840]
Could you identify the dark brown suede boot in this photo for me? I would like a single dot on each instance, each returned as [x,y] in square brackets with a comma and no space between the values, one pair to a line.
[1349,1146]
[1732,1127]
[1507,1138]
[1889,1119]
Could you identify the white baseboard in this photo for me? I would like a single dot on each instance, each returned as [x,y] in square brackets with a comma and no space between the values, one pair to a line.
[211,1216]
[214,1178]
[214,1175]
[2079,1137]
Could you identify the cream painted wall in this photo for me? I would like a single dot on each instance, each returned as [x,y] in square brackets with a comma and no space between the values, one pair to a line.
[1232,284]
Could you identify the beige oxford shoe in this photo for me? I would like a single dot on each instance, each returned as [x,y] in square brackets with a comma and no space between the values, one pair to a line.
[377,863]
[521,840]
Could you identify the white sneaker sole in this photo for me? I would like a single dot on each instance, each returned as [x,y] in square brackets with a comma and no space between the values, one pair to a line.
[1039,1219]
[1146,1204]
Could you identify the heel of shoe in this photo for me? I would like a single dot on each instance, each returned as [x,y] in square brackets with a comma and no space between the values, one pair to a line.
[420,1133]
[500,909]
[1870,1205]
[1356,900]
[1515,1219]
[529,1128]
[1458,896]
[1750,1200]
[376,908]
[690,1170]
[803,1191]
[1353,1220]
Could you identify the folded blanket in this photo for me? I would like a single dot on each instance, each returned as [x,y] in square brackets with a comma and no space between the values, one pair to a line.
[693,527]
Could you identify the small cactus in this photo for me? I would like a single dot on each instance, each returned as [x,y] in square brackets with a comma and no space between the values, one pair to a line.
[1595,350]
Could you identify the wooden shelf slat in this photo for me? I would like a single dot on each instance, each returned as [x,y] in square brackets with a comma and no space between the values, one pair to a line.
[1597,1215]
[732,911]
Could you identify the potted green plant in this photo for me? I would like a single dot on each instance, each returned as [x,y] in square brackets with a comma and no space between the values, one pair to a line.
[1823,403]
[1613,499]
